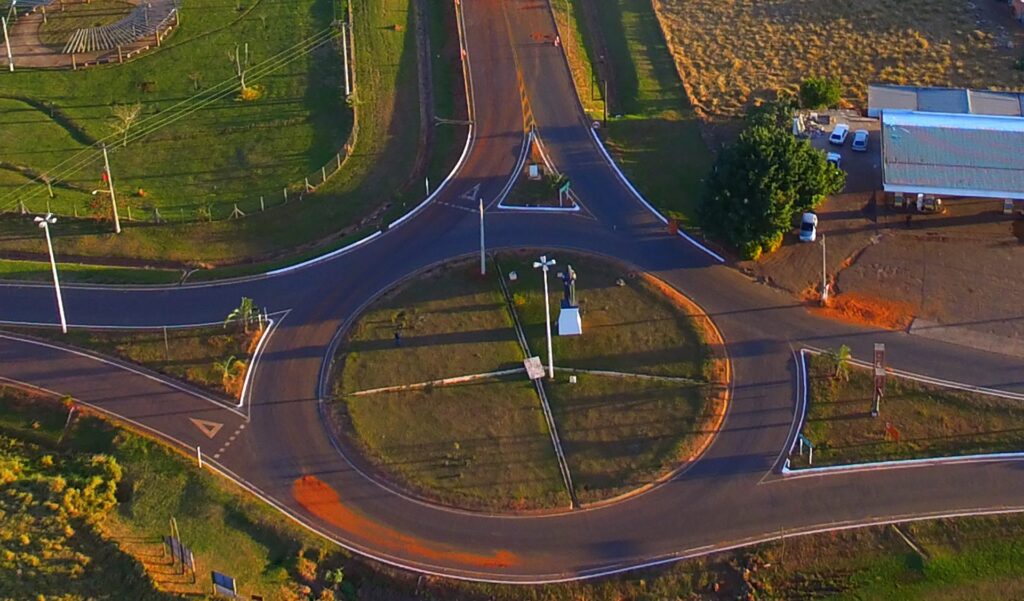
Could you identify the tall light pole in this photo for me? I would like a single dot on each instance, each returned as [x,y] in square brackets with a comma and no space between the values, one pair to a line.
[110,188]
[824,274]
[545,264]
[483,258]
[7,42]
[45,223]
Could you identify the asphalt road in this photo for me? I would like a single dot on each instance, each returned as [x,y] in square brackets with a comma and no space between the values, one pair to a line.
[732,495]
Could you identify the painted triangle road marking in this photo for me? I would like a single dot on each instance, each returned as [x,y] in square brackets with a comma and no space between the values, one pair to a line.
[472,193]
[207,427]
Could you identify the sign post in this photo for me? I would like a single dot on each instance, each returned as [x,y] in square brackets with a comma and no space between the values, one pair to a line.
[563,191]
[879,366]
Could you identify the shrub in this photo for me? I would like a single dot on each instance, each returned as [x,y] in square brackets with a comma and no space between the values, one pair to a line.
[819,92]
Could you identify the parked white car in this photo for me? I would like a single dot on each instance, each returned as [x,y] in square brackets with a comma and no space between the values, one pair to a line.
[835,158]
[839,134]
[809,227]
[860,140]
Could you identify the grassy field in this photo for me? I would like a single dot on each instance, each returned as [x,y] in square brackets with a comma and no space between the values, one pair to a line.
[199,356]
[486,444]
[932,421]
[39,271]
[232,152]
[967,559]
[732,53]
[629,328]
[653,133]
[483,444]
[622,433]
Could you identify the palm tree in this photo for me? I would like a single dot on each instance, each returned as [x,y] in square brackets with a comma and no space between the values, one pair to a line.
[841,360]
[229,370]
[246,312]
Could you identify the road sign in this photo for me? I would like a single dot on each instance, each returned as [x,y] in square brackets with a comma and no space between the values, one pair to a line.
[534,368]
[207,427]
[564,189]
[224,585]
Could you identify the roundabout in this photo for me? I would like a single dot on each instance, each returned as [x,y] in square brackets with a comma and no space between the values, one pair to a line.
[278,446]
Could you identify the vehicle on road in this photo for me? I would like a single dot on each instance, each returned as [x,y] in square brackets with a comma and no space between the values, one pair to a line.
[835,158]
[860,140]
[809,227]
[838,136]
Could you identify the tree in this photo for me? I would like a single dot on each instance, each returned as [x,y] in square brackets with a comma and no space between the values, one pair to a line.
[819,92]
[125,116]
[840,359]
[761,181]
[246,313]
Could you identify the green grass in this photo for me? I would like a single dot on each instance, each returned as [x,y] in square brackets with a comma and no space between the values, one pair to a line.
[61,24]
[483,444]
[190,354]
[622,433]
[534,193]
[452,323]
[932,421]
[233,152]
[653,134]
[38,271]
[630,328]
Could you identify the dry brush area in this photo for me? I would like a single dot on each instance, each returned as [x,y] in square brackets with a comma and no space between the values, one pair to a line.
[732,52]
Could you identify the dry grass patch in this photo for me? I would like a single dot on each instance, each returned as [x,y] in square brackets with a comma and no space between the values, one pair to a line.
[732,52]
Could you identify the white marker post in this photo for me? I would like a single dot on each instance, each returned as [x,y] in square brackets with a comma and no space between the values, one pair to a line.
[7,42]
[199,456]
[110,189]
[544,264]
[45,223]
[824,274]
[344,53]
[483,258]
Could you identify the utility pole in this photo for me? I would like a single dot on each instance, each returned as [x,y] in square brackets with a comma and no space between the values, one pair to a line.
[344,53]
[483,257]
[45,223]
[824,274]
[7,42]
[110,188]
[545,264]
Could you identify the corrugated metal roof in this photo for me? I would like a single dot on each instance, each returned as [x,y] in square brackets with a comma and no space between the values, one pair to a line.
[943,100]
[953,154]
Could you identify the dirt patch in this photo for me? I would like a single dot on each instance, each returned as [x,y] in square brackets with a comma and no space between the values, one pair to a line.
[321,500]
[862,309]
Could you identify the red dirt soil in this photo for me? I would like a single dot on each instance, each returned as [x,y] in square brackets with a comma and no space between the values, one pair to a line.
[322,501]
[866,310]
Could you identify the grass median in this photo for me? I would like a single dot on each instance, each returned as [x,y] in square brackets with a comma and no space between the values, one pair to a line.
[484,443]
[931,421]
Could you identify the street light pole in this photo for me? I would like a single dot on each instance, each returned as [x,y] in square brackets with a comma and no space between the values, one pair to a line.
[110,188]
[544,264]
[483,257]
[7,42]
[45,223]
[824,274]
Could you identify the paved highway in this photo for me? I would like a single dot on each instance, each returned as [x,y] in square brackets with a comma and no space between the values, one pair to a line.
[278,447]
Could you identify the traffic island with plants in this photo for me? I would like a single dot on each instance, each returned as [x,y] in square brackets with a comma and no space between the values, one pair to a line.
[212,357]
[431,392]
[916,420]
[539,185]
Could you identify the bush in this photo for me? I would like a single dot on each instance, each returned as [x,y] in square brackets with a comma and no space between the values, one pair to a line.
[819,92]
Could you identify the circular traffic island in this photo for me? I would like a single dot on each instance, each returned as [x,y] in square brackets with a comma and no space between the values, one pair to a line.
[432,397]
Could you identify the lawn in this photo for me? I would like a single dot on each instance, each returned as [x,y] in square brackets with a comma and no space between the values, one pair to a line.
[211,357]
[629,328]
[932,421]
[483,444]
[732,53]
[199,165]
[536,193]
[39,271]
[653,132]
[622,433]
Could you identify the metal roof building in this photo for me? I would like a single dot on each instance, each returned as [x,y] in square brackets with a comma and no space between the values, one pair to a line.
[953,154]
[943,100]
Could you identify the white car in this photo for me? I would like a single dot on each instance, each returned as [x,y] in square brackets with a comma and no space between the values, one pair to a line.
[860,140]
[809,227]
[835,158]
[839,134]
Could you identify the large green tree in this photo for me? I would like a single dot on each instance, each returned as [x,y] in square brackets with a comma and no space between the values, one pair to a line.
[762,181]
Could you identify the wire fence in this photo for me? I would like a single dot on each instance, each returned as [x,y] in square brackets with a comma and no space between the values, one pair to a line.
[40,194]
